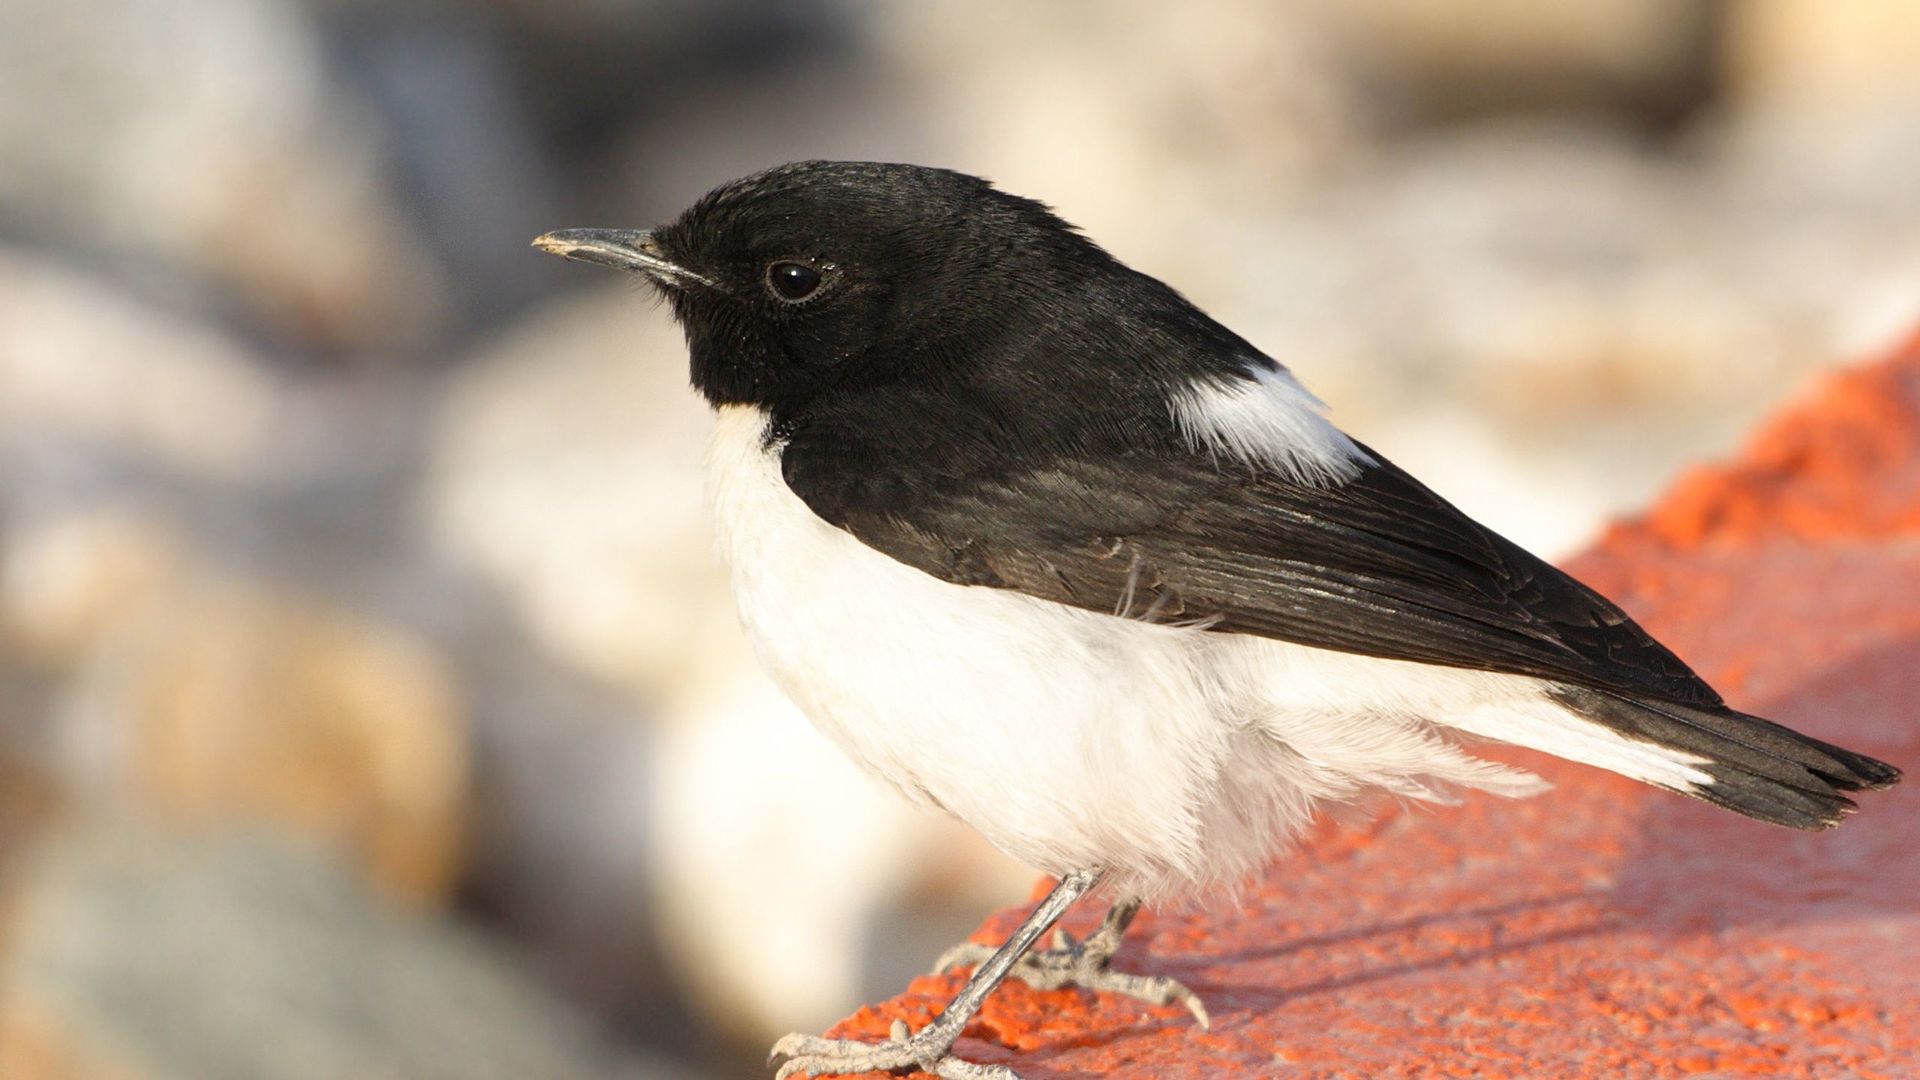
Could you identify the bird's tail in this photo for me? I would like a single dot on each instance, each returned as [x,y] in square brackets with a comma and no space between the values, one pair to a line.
[1752,766]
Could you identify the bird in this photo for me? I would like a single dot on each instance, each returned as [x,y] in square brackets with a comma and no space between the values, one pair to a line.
[1037,541]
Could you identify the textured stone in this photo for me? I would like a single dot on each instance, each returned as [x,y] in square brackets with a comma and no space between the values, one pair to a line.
[1603,928]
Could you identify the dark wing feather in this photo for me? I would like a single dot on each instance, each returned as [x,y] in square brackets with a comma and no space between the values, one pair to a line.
[1380,565]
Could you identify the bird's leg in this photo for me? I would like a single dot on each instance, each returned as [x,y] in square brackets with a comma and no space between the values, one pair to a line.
[929,1048]
[1084,964]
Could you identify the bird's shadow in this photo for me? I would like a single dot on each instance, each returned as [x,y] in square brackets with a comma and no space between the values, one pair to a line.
[1569,916]
[1695,867]
[1577,911]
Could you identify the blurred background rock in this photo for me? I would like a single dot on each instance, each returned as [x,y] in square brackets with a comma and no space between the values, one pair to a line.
[370,702]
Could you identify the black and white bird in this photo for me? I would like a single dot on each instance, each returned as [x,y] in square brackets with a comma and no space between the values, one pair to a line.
[1040,543]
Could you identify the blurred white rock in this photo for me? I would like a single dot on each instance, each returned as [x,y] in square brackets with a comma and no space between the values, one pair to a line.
[84,363]
[566,469]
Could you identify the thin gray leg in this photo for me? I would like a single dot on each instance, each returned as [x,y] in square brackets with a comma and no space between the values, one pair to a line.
[928,1049]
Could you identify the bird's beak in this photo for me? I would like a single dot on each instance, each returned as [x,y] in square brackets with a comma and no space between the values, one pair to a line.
[622,249]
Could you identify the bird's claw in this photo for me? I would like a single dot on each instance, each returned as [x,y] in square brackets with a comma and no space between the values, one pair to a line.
[816,1057]
[1071,963]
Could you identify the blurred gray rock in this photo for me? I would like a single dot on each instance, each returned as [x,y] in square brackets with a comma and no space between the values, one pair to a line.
[144,957]
[209,137]
[467,166]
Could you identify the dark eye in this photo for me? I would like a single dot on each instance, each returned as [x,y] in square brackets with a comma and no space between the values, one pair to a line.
[793,281]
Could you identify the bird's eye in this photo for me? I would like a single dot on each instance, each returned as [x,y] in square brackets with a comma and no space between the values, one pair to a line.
[793,281]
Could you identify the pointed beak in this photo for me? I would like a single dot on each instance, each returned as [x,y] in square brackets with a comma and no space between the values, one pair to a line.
[632,250]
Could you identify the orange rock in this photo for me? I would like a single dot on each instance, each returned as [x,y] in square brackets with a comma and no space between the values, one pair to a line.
[1603,929]
[223,704]
[249,706]
[204,701]
[37,1045]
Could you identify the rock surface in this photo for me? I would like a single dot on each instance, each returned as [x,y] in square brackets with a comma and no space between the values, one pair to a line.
[1603,929]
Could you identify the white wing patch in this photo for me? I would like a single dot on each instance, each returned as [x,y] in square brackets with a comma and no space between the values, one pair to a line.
[1270,421]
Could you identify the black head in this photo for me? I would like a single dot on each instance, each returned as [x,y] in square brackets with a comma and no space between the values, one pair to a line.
[824,281]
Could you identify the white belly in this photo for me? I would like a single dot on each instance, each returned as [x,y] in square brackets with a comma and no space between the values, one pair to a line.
[1175,758]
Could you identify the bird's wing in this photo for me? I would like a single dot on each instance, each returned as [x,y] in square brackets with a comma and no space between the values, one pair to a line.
[1378,565]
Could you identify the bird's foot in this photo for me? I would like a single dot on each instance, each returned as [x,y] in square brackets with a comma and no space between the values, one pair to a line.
[929,1050]
[1082,964]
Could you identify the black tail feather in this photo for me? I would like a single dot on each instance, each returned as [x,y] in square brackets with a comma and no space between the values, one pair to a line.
[1758,768]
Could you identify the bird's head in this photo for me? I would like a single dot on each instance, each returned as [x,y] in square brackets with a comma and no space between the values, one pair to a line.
[828,275]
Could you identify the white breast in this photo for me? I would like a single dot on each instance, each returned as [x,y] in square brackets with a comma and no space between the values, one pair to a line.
[1176,758]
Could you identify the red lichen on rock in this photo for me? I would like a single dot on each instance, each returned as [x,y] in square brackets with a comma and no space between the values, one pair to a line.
[1602,929]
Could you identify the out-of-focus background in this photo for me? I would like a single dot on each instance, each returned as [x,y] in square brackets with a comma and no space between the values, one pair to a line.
[370,701]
